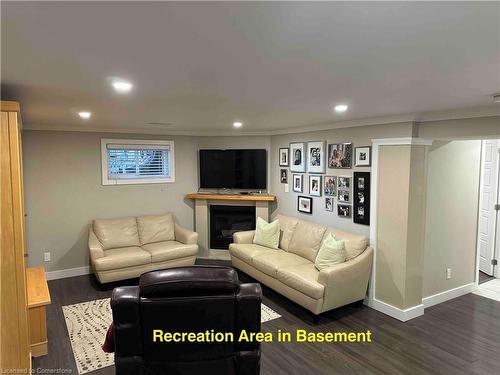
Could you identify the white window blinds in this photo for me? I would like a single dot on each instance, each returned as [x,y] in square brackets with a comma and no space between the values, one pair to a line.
[139,162]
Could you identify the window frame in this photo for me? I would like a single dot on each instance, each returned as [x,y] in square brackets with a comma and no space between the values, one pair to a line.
[139,181]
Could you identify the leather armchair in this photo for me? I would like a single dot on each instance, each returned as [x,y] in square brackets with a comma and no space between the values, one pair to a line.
[186,299]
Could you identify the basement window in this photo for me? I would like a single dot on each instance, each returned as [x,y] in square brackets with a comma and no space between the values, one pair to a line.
[128,161]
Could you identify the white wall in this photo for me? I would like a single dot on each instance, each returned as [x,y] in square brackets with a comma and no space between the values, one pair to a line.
[64,191]
[452,212]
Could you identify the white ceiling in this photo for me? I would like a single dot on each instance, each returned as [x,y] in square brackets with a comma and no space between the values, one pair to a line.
[201,66]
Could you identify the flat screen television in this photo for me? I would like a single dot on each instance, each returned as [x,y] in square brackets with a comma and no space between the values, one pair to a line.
[233,169]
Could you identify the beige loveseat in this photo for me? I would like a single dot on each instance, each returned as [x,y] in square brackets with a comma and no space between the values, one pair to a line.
[290,269]
[126,248]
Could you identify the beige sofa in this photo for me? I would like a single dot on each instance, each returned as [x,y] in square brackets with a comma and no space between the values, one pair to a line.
[290,269]
[126,248]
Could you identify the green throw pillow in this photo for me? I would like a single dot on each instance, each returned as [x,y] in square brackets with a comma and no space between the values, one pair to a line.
[331,252]
[267,234]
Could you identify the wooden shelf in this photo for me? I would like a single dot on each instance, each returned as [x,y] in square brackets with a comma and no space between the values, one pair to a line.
[37,289]
[231,197]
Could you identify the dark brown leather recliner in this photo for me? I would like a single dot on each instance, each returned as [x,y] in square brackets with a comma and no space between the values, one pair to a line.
[187,299]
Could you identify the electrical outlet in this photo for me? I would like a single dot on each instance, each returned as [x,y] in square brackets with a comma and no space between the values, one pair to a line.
[46,256]
[448,273]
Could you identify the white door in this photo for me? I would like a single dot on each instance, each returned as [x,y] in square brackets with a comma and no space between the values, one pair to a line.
[487,212]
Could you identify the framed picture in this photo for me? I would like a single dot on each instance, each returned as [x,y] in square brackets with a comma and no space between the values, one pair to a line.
[363,156]
[316,157]
[305,204]
[297,157]
[361,198]
[343,182]
[298,183]
[283,155]
[315,186]
[340,155]
[344,196]
[329,203]
[344,210]
[284,176]
[330,185]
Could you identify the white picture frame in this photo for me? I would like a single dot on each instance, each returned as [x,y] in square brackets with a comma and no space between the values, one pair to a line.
[284,154]
[297,157]
[315,185]
[330,186]
[316,157]
[363,156]
[329,204]
[298,183]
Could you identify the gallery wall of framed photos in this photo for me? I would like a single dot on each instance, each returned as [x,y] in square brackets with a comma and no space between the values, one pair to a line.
[330,168]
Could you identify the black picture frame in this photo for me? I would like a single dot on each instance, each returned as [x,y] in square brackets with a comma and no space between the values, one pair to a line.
[284,176]
[303,210]
[361,198]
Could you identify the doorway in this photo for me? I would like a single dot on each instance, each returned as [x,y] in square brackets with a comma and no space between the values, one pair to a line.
[488,241]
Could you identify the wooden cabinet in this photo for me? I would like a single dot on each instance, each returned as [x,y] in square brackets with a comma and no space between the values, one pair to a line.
[14,330]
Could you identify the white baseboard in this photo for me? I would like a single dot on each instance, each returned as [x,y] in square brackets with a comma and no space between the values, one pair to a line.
[448,294]
[70,272]
[397,313]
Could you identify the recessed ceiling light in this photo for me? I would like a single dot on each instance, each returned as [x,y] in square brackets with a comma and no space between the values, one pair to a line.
[339,108]
[237,124]
[85,114]
[122,87]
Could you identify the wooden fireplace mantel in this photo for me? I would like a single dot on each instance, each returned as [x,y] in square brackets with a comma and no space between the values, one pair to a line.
[232,197]
[202,204]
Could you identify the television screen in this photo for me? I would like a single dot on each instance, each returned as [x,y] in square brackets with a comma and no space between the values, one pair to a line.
[233,169]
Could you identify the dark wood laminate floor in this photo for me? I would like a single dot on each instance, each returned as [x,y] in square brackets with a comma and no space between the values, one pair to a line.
[484,277]
[461,336]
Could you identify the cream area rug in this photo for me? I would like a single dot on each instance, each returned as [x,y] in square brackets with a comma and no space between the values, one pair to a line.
[88,323]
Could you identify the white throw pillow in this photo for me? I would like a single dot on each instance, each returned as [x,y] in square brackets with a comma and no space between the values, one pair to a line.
[331,252]
[267,234]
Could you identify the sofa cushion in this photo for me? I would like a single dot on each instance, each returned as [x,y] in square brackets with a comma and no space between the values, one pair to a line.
[302,277]
[168,250]
[246,252]
[267,234]
[306,239]
[270,263]
[354,244]
[122,258]
[114,233]
[287,227]
[156,228]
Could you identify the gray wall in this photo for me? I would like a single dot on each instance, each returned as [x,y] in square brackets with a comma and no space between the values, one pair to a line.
[359,136]
[452,213]
[64,191]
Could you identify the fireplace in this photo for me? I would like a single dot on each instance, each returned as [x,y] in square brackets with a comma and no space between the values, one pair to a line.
[226,220]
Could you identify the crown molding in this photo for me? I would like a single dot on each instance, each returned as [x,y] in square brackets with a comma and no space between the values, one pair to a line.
[463,113]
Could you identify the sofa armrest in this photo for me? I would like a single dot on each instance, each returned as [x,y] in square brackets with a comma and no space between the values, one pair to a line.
[125,306]
[95,246]
[248,312]
[346,282]
[185,236]
[244,237]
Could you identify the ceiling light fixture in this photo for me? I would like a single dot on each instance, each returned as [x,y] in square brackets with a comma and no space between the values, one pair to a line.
[237,124]
[496,98]
[122,87]
[340,108]
[85,114]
